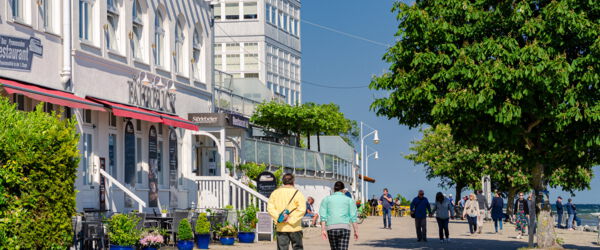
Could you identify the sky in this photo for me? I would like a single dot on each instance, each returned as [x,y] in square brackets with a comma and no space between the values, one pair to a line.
[341,61]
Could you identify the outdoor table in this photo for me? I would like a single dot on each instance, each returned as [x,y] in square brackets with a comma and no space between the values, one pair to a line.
[162,221]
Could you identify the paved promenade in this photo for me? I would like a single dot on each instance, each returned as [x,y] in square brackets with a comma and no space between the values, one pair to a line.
[402,236]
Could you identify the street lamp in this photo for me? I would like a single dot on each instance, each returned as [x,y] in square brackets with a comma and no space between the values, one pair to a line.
[375,134]
[375,156]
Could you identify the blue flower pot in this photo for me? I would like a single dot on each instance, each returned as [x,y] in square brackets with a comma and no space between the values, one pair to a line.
[246,237]
[227,240]
[202,240]
[149,248]
[185,245]
[113,247]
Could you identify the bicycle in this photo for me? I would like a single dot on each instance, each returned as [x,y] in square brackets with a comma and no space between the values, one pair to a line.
[361,214]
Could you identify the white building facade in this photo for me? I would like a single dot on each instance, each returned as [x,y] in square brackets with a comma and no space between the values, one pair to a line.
[260,39]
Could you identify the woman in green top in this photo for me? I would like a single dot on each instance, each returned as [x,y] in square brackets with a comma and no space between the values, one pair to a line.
[337,213]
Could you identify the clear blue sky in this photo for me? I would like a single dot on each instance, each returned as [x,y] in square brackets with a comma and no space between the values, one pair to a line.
[336,60]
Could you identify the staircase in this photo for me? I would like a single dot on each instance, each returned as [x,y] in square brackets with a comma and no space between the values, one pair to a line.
[219,191]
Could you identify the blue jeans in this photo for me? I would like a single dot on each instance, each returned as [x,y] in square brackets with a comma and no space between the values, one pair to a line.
[559,222]
[496,222]
[387,218]
[570,221]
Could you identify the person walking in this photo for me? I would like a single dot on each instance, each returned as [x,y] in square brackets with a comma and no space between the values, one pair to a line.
[522,211]
[570,214]
[559,211]
[497,213]
[419,207]
[442,208]
[287,206]
[338,214]
[386,206]
[471,211]
[483,206]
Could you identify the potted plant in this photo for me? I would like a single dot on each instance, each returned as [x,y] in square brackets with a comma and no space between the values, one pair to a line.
[122,231]
[202,231]
[151,240]
[163,213]
[227,234]
[247,224]
[185,235]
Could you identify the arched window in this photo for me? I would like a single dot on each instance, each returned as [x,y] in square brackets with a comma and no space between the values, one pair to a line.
[179,53]
[138,28]
[112,18]
[159,36]
[197,47]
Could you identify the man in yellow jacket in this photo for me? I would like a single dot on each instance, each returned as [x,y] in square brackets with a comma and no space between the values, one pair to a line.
[289,204]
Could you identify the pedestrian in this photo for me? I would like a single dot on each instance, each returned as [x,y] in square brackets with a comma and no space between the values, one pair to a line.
[374,203]
[442,208]
[386,207]
[483,206]
[570,214]
[287,206]
[497,213]
[338,214]
[419,207]
[471,211]
[522,211]
[310,211]
[559,211]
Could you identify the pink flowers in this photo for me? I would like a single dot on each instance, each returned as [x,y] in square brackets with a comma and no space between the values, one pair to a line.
[151,239]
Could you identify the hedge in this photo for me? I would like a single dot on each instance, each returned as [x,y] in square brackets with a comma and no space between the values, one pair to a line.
[38,167]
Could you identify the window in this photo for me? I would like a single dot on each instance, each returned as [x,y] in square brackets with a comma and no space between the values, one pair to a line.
[232,11]
[85,19]
[112,155]
[159,35]
[138,157]
[251,75]
[285,23]
[218,62]
[112,120]
[197,47]
[232,47]
[87,159]
[296,31]
[138,28]
[251,47]
[112,19]
[217,11]
[17,9]
[48,107]
[268,13]
[20,101]
[87,116]
[251,62]
[280,20]
[138,125]
[250,11]
[233,62]
[179,55]
[46,14]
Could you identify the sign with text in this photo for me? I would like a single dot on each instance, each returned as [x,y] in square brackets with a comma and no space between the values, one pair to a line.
[102,190]
[153,164]
[129,155]
[265,223]
[239,121]
[173,168]
[152,93]
[17,53]
[266,183]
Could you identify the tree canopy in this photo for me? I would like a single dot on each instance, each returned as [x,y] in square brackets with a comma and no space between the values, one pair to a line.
[522,77]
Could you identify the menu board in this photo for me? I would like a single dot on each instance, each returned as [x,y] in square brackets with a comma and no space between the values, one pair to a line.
[129,154]
[266,183]
[265,223]
[173,168]
[102,191]
[153,168]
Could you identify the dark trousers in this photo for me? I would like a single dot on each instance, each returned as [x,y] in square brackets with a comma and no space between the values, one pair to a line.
[472,223]
[387,217]
[443,227]
[339,239]
[421,226]
[559,221]
[285,238]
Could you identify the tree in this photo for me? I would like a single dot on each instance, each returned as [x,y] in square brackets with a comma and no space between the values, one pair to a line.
[505,75]
[38,167]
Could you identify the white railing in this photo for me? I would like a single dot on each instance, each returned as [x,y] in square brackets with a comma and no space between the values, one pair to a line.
[112,181]
[218,192]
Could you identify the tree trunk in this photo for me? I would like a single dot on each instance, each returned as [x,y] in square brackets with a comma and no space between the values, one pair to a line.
[511,201]
[318,142]
[459,189]
[546,237]
[308,139]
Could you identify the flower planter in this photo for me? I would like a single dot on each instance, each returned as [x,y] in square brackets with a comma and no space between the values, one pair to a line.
[113,247]
[246,237]
[227,240]
[202,240]
[185,245]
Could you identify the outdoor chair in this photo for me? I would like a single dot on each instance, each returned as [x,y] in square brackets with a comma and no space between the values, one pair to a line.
[93,235]
[172,228]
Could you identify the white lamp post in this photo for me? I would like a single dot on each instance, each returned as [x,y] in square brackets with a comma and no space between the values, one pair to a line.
[375,134]
[375,156]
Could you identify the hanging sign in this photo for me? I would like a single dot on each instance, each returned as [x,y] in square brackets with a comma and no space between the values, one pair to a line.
[266,183]
[17,53]
[102,191]
[153,168]
[173,168]
[129,154]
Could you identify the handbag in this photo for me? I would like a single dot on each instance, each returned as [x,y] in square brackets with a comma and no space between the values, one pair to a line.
[412,212]
[286,211]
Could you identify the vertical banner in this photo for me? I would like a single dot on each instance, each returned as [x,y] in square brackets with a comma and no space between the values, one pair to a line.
[153,168]
[102,190]
[129,154]
[172,168]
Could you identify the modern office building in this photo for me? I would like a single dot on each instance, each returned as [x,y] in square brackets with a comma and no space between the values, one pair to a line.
[260,39]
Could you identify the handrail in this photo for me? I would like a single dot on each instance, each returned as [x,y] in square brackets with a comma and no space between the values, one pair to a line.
[247,189]
[141,203]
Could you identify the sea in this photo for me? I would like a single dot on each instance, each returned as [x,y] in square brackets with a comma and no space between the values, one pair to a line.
[584,211]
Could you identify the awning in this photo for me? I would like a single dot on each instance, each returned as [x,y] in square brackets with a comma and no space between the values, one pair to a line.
[367,179]
[133,112]
[49,95]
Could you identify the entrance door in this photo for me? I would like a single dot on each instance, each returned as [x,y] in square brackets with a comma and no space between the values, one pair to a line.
[210,162]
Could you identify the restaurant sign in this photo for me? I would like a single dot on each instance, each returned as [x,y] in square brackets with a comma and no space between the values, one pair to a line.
[17,53]
[152,93]
[219,120]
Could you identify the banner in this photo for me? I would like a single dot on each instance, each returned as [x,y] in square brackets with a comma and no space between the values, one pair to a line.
[153,168]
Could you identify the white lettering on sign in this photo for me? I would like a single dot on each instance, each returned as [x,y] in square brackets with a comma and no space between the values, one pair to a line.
[147,93]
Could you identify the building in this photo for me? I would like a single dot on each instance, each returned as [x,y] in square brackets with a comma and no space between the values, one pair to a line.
[128,71]
[260,39]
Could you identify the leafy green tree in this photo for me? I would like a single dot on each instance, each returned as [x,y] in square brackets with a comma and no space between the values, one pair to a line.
[518,76]
[38,166]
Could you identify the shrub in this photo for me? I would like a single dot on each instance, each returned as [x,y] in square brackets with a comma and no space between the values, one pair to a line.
[38,167]
[227,231]
[185,230]
[202,225]
[248,219]
[122,229]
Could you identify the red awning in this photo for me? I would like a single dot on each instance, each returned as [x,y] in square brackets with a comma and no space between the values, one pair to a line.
[49,95]
[123,110]
[367,179]
[130,111]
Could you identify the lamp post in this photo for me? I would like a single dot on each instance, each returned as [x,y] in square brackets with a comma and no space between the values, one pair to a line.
[375,156]
[375,134]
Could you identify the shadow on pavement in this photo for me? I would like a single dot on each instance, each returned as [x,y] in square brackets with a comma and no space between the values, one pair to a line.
[487,244]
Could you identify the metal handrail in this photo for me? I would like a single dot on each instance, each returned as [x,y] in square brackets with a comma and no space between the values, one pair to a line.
[141,203]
